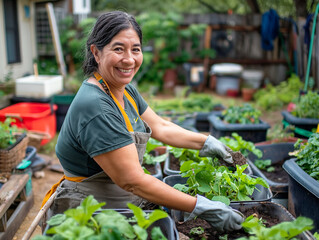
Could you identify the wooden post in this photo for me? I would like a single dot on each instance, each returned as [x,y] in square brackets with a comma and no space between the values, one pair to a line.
[56,39]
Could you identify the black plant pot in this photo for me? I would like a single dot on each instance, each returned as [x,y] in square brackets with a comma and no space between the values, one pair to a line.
[272,209]
[259,195]
[167,225]
[300,124]
[278,153]
[249,132]
[303,197]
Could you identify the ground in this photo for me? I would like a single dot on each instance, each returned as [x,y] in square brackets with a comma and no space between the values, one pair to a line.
[42,185]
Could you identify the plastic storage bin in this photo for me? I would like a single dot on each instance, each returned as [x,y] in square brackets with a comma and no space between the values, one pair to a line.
[33,116]
[38,86]
[227,76]
[303,198]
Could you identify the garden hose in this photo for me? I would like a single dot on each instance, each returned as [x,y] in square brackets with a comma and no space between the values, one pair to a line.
[310,48]
[298,130]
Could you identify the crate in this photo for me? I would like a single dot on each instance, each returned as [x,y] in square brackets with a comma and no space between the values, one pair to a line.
[33,116]
[38,86]
[14,206]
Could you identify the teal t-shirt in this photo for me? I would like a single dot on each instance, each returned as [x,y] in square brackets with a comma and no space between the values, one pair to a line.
[94,125]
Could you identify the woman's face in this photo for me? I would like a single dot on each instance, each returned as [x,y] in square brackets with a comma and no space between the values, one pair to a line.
[119,60]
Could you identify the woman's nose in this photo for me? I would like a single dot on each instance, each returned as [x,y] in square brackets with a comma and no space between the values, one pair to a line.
[128,57]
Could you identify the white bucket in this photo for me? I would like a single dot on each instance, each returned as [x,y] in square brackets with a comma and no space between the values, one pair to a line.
[253,78]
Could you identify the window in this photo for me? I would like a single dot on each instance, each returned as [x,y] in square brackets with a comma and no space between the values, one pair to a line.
[12,31]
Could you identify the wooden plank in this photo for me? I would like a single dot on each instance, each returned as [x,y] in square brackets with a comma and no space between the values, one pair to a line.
[10,190]
[56,39]
[16,219]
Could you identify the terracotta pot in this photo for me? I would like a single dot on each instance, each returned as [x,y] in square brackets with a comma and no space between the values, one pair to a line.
[248,93]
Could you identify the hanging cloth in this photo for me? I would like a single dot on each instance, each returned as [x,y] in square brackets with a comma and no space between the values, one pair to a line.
[269,29]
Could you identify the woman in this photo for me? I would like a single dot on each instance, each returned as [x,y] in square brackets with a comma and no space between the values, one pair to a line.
[102,141]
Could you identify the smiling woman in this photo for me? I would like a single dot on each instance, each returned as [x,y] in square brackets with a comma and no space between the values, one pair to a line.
[104,135]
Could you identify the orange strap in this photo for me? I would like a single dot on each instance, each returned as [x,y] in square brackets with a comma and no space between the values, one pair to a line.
[55,186]
[131,100]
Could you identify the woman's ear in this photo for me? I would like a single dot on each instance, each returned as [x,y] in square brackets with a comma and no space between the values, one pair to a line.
[95,52]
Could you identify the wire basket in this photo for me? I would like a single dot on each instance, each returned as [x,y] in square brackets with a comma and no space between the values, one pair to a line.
[14,154]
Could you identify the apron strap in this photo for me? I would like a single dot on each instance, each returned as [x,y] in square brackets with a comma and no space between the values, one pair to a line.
[55,186]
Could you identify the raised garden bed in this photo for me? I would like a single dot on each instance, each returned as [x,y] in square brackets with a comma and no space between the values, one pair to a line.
[249,132]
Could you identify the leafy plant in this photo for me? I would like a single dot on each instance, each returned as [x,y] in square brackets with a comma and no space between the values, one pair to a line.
[282,231]
[197,231]
[264,164]
[7,131]
[308,155]
[237,143]
[308,106]
[149,158]
[218,183]
[83,223]
[245,114]
[275,97]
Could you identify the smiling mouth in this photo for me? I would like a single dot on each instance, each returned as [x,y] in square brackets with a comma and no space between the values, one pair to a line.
[125,70]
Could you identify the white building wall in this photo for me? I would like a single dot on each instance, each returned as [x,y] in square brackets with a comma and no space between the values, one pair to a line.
[27,42]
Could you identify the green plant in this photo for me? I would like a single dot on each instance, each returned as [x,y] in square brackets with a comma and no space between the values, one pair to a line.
[275,97]
[308,155]
[148,157]
[197,231]
[237,143]
[282,231]
[245,114]
[167,42]
[308,106]
[7,131]
[264,165]
[83,223]
[218,183]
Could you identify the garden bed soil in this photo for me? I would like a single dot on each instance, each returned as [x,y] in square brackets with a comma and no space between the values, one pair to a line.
[211,234]
[278,175]
[151,168]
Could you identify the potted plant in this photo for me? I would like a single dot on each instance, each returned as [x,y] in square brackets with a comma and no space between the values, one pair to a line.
[218,183]
[303,171]
[89,221]
[305,117]
[177,155]
[244,120]
[13,146]
[247,92]
[263,220]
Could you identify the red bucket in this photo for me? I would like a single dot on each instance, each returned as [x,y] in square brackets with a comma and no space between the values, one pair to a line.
[33,116]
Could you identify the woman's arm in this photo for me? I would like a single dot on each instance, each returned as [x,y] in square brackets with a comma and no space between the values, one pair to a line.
[172,134]
[123,167]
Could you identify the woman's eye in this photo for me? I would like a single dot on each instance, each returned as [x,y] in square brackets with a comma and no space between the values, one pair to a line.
[118,49]
[136,49]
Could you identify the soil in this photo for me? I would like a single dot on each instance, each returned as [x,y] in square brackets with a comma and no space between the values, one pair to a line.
[211,234]
[278,175]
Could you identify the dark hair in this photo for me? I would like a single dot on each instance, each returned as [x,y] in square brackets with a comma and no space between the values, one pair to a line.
[106,27]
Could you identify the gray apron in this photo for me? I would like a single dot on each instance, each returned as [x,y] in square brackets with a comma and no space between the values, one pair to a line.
[69,194]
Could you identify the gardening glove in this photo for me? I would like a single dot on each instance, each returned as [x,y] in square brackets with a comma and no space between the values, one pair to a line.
[213,147]
[220,216]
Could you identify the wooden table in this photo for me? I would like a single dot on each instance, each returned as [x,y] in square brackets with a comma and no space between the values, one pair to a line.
[14,204]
